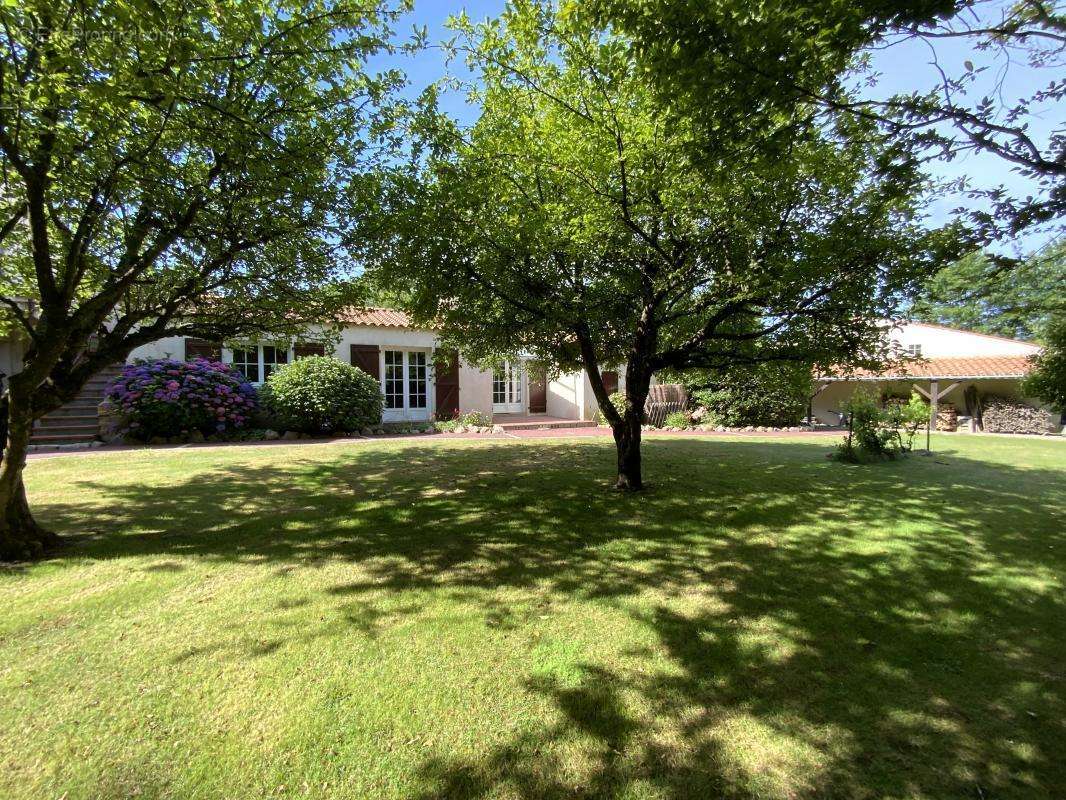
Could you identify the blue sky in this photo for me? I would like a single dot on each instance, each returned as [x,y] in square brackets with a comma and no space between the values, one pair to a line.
[904,67]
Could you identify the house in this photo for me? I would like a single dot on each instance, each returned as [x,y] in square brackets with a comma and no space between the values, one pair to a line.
[419,381]
[941,364]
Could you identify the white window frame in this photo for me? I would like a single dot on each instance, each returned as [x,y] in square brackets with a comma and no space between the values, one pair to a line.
[405,412]
[914,350]
[259,349]
[514,379]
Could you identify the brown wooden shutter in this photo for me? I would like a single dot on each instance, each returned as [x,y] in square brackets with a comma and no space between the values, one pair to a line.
[201,348]
[610,381]
[446,378]
[305,350]
[365,356]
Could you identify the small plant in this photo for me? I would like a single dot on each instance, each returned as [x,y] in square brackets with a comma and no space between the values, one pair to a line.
[867,439]
[463,419]
[320,394]
[677,419]
[165,397]
[906,419]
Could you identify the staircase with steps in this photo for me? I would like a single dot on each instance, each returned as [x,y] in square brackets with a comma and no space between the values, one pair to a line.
[76,422]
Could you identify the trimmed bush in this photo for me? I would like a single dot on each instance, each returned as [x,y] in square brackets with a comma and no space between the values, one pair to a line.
[165,397]
[320,394]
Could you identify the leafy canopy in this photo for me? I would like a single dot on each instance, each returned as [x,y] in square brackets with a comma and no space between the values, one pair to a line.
[791,59]
[577,223]
[168,167]
[979,293]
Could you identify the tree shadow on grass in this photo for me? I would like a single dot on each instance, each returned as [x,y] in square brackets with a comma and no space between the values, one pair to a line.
[817,630]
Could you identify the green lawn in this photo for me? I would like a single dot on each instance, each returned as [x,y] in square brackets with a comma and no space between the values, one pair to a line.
[468,619]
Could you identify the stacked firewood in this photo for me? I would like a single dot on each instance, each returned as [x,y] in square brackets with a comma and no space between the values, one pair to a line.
[1002,415]
[947,417]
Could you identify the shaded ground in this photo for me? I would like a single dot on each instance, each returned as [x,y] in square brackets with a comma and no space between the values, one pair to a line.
[485,619]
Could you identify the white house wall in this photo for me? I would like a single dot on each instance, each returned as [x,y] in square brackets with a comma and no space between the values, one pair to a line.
[475,389]
[11,350]
[564,397]
[937,342]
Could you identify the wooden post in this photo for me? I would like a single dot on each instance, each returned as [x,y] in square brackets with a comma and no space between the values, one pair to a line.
[934,402]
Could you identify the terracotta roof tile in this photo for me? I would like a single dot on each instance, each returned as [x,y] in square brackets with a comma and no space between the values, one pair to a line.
[972,367]
[376,317]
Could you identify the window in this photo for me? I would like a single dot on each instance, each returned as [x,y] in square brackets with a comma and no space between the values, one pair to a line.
[507,384]
[393,379]
[914,350]
[416,380]
[246,362]
[499,386]
[273,357]
[256,362]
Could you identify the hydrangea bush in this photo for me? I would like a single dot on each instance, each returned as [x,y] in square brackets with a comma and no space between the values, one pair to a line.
[165,397]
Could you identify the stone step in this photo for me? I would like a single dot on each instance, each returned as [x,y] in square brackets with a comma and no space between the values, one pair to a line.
[75,409]
[61,438]
[532,425]
[75,429]
[66,420]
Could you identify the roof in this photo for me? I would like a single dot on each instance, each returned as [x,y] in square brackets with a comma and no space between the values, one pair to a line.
[972,367]
[376,317]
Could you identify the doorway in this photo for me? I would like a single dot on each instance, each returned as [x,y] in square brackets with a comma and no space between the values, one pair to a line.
[507,389]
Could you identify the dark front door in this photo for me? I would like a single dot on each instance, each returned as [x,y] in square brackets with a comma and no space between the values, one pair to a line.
[446,378]
[610,381]
[538,391]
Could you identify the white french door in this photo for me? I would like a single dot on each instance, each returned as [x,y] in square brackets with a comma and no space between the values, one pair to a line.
[507,389]
[405,384]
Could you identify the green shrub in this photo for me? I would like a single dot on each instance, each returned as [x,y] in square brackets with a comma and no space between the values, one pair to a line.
[465,419]
[876,433]
[320,394]
[620,403]
[677,419]
[774,395]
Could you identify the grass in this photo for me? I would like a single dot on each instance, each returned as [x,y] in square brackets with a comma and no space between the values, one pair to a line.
[486,619]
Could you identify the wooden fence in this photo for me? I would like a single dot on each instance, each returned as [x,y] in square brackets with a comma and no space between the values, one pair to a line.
[664,399]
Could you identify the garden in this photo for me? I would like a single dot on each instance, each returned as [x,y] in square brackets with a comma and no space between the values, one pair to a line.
[479,618]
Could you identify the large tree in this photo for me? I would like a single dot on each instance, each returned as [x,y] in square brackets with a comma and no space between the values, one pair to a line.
[168,169]
[573,223]
[979,292]
[783,51]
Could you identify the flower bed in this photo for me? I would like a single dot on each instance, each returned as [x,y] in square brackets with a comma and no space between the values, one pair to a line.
[167,398]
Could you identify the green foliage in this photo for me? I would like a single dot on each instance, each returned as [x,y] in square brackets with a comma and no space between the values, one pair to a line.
[620,403]
[321,394]
[571,223]
[1047,381]
[727,68]
[876,433]
[464,419]
[769,394]
[165,174]
[986,294]
[677,419]
[906,419]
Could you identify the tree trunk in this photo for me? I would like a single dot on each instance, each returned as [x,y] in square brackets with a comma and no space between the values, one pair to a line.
[627,444]
[20,535]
